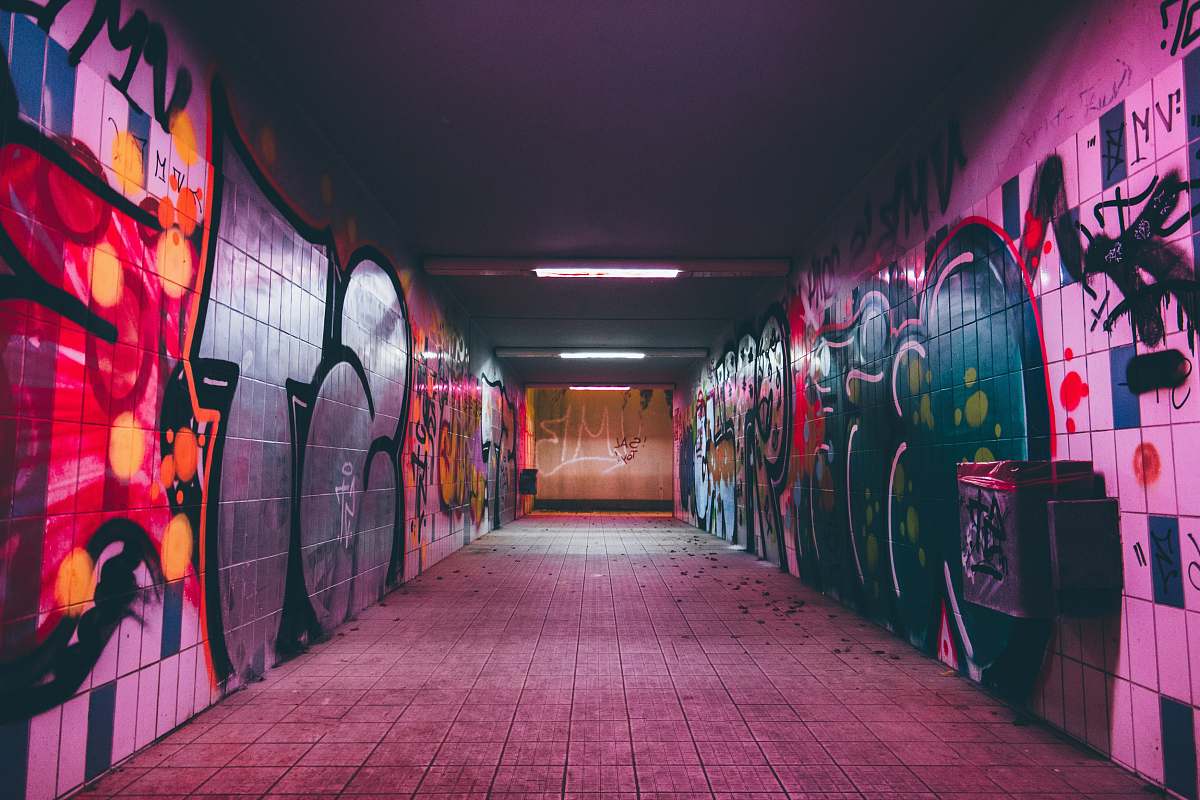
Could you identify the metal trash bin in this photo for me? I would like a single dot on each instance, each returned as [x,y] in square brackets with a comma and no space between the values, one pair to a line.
[527,482]
[1005,541]
[1085,551]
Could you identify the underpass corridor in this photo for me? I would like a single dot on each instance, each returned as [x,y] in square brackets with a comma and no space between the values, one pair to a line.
[622,400]
[613,656]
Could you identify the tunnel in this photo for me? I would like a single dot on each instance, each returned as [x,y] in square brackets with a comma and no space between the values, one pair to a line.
[520,400]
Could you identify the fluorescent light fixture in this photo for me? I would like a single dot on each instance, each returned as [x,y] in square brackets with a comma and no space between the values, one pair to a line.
[602,354]
[598,271]
[599,388]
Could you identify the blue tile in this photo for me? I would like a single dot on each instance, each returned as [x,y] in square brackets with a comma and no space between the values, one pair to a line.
[14,755]
[1127,411]
[1112,145]
[1179,747]
[5,30]
[1191,82]
[102,704]
[28,64]
[1064,273]
[59,111]
[139,128]
[172,624]
[1166,566]
[1011,196]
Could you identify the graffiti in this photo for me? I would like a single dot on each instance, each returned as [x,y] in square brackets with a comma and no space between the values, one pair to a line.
[894,379]
[205,401]
[498,450]
[51,672]
[1166,560]
[985,537]
[1165,369]
[1096,99]
[1185,33]
[604,446]
[739,480]
[144,40]
[1194,564]
[910,192]
[94,300]
[1149,272]
[626,449]
[1048,212]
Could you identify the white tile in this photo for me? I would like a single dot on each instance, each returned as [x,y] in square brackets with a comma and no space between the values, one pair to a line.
[1143,658]
[1136,555]
[1174,676]
[1074,320]
[1120,730]
[1089,148]
[1186,452]
[1073,698]
[147,713]
[1095,708]
[1051,307]
[1052,691]
[88,114]
[1070,162]
[1170,122]
[168,689]
[41,773]
[73,743]
[1104,459]
[125,718]
[185,695]
[1147,733]
[1158,470]
[1132,495]
[1139,129]
[1185,399]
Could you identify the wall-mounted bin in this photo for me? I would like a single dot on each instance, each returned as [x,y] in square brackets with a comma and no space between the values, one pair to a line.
[1005,540]
[527,482]
[1085,556]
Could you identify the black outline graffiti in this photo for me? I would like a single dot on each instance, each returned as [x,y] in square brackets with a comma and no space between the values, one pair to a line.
[51,673]
[1140,249]
[298,622]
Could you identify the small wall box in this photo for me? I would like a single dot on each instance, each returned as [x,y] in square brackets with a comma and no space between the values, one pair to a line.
[1085,556]
[527,482]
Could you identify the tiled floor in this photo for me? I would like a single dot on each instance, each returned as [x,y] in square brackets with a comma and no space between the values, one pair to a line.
[619,656]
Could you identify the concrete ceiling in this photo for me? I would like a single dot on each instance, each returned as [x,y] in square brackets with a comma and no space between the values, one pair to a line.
[624,128]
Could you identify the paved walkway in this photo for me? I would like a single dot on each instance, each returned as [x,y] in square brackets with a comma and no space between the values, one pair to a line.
[584,654]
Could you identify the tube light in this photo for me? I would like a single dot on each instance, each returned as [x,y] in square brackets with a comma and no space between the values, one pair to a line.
[606,272]
[599,388]
[602,354]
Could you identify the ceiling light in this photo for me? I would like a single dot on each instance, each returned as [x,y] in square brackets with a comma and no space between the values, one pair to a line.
[599,388]
[594,271]
[602,354]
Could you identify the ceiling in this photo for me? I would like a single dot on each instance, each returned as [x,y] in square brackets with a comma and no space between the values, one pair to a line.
[624,128]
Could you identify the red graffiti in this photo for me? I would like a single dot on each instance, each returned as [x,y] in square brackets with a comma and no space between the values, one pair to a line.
[1147,466]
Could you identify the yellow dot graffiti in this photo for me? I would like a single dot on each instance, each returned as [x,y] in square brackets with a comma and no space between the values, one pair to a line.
[126,446]
[75,581]
[177,547]
[107,279]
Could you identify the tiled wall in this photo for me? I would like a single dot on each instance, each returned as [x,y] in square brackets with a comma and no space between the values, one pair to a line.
[225,423]
[955,309]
